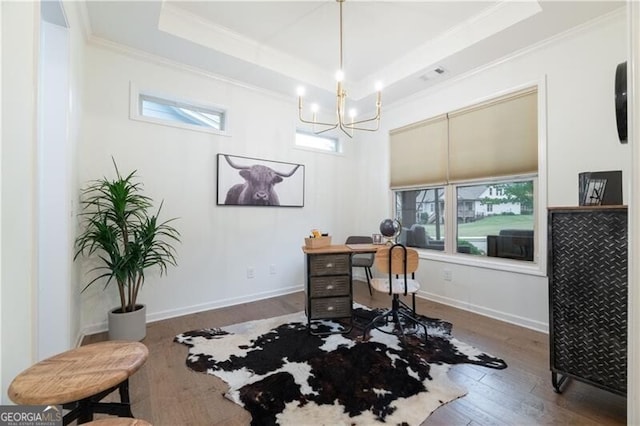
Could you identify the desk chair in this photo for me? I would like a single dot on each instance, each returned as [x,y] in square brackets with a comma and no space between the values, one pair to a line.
[362,260]
[397,261]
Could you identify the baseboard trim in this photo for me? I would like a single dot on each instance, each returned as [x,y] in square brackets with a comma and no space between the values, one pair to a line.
[172,313]
[491,313]
[476,309]
[158,316]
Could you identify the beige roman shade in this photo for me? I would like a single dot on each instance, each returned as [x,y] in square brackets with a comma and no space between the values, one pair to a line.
[419,153]
[495,138]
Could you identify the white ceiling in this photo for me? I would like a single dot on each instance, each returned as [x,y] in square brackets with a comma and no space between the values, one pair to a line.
[280,45]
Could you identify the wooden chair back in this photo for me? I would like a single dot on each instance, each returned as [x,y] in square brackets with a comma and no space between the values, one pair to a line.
[397,256]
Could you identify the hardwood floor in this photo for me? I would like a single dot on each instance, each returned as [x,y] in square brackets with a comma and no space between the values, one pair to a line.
[166,392]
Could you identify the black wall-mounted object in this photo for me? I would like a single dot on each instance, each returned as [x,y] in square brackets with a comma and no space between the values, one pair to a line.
[621,101]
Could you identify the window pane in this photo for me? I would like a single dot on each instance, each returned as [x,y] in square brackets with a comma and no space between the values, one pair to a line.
[421,213]
[323,143]
[177,112]
[496,220]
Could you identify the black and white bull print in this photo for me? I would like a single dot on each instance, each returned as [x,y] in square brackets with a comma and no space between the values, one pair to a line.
[257,189]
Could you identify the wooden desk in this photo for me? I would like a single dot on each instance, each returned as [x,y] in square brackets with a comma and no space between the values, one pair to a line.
[79,378]
[328,291]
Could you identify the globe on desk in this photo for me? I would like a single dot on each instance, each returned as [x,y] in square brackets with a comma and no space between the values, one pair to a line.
[390,229]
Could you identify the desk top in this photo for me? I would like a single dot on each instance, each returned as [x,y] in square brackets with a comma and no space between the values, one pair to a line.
[118,421]
[78,373]
[344,248]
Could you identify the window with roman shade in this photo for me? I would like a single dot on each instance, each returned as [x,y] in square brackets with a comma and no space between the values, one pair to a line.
[465,182]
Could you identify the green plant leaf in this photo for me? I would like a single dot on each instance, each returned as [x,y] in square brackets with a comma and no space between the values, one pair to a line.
[122,236]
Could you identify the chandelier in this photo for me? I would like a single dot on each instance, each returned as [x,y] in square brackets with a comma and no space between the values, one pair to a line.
[346,125]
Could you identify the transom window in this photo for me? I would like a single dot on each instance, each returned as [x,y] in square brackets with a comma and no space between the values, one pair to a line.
[317,142]
[464,182]
[185,114]
[168,110]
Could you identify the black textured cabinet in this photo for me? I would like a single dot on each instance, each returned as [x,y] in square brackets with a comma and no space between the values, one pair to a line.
[587,271]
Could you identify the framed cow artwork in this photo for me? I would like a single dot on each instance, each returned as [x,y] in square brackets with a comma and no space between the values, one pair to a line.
[244,181]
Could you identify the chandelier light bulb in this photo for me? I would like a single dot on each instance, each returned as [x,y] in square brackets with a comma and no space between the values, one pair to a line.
[300,91]
[339,75]
[353,112]
[378,86]
[314,108]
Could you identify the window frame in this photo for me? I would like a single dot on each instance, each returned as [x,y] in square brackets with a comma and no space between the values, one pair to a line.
[536,267]
[135,112]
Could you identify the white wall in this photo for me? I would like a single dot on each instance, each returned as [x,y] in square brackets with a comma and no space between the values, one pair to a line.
[1,139]
[18,278]
[77,40]
[219,243]
[17,281]
[53,249]
[579,71]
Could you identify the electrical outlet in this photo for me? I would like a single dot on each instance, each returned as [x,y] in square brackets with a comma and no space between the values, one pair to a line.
[447,275]
[250,272]
[272,269]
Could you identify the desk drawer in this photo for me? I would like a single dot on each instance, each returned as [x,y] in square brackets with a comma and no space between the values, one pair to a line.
[330,307]
[329,264]
[329,286]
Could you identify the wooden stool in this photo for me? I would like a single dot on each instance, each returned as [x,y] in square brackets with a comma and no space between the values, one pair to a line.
[80,378]
[118,421]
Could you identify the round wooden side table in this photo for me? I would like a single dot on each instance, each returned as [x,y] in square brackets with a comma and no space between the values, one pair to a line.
[80,378]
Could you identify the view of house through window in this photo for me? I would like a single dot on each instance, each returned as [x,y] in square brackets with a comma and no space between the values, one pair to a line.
[493,219]
[496,219]
[421,213]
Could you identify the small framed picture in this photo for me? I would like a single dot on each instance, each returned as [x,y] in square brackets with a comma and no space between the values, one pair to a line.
[377,238]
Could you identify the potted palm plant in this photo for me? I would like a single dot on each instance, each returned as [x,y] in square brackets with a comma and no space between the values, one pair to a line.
[127,240]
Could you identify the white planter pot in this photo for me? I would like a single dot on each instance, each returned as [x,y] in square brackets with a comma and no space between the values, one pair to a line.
[129,325]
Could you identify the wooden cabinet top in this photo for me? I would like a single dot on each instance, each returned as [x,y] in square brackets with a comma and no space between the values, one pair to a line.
[587,208]
[343,248]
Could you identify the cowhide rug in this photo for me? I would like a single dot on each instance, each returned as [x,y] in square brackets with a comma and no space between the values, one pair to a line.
[283,375]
